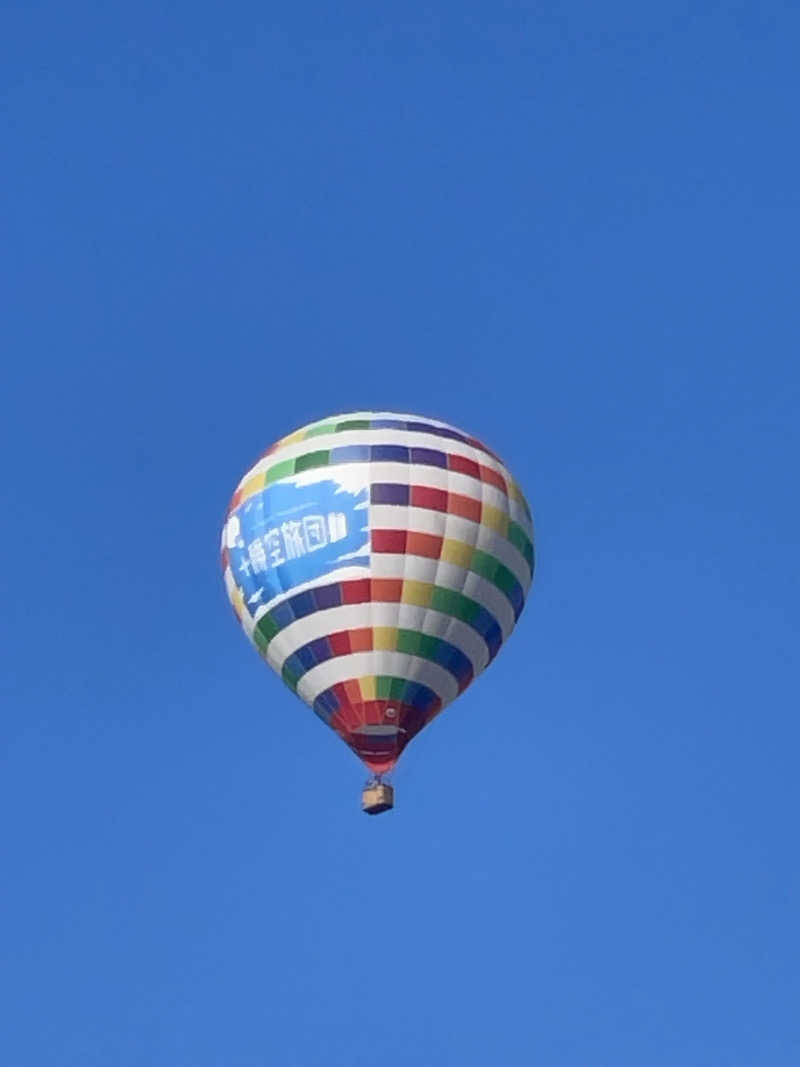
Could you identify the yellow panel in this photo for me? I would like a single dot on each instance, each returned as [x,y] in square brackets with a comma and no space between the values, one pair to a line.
[515,492]
[298,435]
[367,688]
[237,600]
[456,552]
[384,638]
[253,485]
[419,593]
[495,518]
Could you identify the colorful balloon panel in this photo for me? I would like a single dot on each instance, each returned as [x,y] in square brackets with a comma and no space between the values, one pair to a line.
[378,562]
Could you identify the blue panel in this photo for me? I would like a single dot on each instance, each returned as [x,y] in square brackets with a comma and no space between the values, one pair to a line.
[517,598]
[494,639]
[305,657]
[320,649]
[325,705]
[437,431]
[389,454]
[282,614]
[350,454]
[303,604]
[382,493]
[294,665]
[429,457]
[453,660]
[327,596]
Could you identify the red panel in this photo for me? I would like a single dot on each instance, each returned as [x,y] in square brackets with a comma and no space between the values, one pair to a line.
[340,693]
[340,643]
[373,711]
[387,590]
[423,544]
[493,478]
[463,466]
[353,691]
[424,497]
[464,506]
[357,592]
[389,541]
[235,500]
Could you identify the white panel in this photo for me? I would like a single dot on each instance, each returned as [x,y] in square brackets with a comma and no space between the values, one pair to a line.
[401,565]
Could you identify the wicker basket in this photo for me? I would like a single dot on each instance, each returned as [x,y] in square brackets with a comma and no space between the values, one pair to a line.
[377,797]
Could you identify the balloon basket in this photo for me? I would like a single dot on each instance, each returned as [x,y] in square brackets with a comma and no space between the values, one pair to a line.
[377,797]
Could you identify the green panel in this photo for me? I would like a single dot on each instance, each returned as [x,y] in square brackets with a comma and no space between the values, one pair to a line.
[280,470]
[516,536]
[311,460]
[452,603]
[485,565]
[290,678]
[326,427]
[408,641]
[383,687]
[397,690]
[428,646]
[353,424]
[418,644]
[267,628]
[260,641]
[520,540]
[505,579]
[469,609]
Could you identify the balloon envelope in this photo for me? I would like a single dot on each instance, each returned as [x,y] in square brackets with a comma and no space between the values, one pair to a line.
[378,562]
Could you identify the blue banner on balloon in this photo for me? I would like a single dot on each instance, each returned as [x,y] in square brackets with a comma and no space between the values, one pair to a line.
[290,534]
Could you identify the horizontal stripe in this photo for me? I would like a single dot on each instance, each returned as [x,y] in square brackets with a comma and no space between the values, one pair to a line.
[349,693]
[448,576]
[432,477]
[283,466]
[451,503]
[355,433]
[465,609]
[401,616]
[397,664]
[377,639]
[367,439]
[487,538]
[361,421]
[459,553]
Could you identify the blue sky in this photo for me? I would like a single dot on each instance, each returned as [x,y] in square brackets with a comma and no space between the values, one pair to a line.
[570,229]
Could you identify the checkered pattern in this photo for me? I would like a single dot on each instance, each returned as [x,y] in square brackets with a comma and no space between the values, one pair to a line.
[378,655]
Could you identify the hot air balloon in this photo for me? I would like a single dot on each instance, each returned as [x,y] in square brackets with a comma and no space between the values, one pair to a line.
[378,562]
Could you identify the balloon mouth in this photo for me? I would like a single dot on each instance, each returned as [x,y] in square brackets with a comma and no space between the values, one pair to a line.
[364,739]
[378,730]
[386,730]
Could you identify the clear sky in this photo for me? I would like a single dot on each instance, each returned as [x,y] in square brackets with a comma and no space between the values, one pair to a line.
[569,228]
